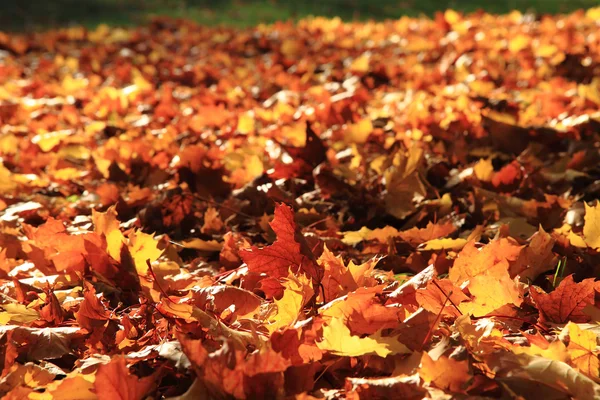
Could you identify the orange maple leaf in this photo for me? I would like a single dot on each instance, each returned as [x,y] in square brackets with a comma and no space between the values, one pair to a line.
[445,373]
[113,381]
[566,302]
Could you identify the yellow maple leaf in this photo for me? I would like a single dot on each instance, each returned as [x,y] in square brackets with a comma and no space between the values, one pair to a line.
[361,273]
[9,144]
[574,239]
[582,349]
[403,182]
[17,314]
[555,351]
[380,234]
[107,224]
[484,170]
[338,340]
[291,48]
[359,132]
[6,182]
[445,243]
[590,91]
[297,291]
[491,291]
[76,386]
[360,64]
[47,141]
[519,43]
[203,245]
[591,227]
[143,247]
[245,124]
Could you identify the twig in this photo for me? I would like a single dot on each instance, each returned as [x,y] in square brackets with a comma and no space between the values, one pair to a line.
[430,331]
[447,296]
[156,281]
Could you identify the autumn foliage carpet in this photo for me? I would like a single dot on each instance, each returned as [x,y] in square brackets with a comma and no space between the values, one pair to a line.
[396,210]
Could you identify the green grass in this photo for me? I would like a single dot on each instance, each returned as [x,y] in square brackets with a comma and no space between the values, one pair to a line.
[43,14]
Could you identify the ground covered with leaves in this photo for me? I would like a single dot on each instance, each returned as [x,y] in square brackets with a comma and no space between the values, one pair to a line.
[403,209]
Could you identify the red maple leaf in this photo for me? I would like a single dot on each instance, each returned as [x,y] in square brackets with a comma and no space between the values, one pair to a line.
[289,251]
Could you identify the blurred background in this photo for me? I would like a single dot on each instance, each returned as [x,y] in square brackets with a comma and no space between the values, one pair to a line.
[28,15]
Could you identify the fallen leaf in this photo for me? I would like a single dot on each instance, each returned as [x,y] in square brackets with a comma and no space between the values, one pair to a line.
[445,373]
[114,381]
[591,227]
[582,350]
[290,250]
[338,340]
[566,302]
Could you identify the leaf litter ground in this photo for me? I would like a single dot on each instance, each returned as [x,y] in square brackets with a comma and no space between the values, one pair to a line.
[404,209]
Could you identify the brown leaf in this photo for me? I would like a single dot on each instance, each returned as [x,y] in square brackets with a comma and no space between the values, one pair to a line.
[91,313]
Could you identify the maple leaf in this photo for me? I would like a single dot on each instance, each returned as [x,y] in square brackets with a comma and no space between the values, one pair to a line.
[228,371]
[109,134]
[582,350]
[51,246]
[107,224]
[313,152]
[44,343]
[76,386]
[338,340]
[403,183]
[339,279]
[22,378]
[218,298]
[445,373]
[297,291]
[92,313]
[472,261]
[143,248]
[52,311]
[417,236]
[491,291]
[591,228]
[304,158]
[566,302]
[290,250]
[363,312]
[441,296]
[295,344]
[215,327]
[536,257]
[380,234]
[553,351]
[113,381]
[17,313]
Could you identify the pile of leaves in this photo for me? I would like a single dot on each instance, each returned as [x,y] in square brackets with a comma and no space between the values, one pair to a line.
[402,209]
